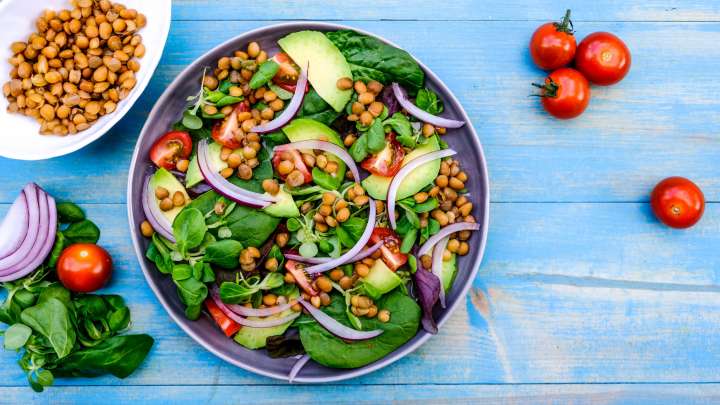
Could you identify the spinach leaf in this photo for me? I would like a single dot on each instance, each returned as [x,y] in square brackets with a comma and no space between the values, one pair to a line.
[427,206]
[228,100]
[119,319]
[315,108]
[285,345]
[235,293]
[409,241]
[192,293]
[69,213]
[349,232]
[265,72]
[376,137]
[182,272]
[427,100]
[325,179]
[274,139]
[189,229]
[359,148]
[249,226]
[370,58]
[159,254]
[16,335]
[224,253]
[57,249]
[51,319]
[118,355]
[401,125]
[84,231]
[191,121]
[330,351]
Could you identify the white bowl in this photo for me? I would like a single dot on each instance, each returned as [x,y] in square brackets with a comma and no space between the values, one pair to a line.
[19,137]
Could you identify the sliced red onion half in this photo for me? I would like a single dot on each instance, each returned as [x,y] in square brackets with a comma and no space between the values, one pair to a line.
[407,169]
[260,312]
[295,370]
[335,327]
[446,231]
[421,114]
[345,258]
[260,323]
[437,263]
[14,226]
[224,187]
[290,110]
[157,219]
[317,260]
[325,147]
[31,194]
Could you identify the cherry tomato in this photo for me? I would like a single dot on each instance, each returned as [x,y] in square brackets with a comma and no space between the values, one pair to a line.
[565,94]
[170,148]
[288,72]
[84,267]
[392,256]
[553,45]
[228,326]
[296,269]
[299,164]
[224,132]
[603,58]
[388,161]
[677,202]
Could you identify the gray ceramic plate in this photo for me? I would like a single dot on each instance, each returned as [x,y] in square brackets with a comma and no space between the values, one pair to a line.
[168,109]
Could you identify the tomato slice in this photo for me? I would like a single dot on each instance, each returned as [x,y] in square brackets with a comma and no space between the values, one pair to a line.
[388,161]
[224,132]
[228,326]
[170,148]
[299,165]
[288,72]
[300,277]
[392,256]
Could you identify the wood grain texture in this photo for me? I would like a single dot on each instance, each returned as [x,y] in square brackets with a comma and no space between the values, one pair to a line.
[581,289]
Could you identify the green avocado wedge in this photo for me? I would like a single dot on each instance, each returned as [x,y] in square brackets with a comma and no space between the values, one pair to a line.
[165,179]
[305,129]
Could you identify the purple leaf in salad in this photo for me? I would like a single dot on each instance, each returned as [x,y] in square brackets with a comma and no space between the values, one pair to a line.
[428,291]
[388,98]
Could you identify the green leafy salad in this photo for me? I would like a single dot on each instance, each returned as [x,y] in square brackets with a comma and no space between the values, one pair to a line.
[307,202]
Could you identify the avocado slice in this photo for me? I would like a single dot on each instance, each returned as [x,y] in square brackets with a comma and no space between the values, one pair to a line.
[449,271]
[254,338]
[285,206]
[305,129]
[325,64]
[165,179]
[377,186]
[380,280]
[193,175]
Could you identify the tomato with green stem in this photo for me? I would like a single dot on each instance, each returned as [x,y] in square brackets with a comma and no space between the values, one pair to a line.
[565,93]
[553,45]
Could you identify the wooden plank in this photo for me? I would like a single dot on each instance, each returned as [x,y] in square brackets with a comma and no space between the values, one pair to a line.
[542,10]
[600,394]
[660,121]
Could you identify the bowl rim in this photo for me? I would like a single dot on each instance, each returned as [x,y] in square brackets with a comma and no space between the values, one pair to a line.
[127,104]
[346,374]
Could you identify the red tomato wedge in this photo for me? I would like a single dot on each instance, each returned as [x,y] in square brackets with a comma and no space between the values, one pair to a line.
[392,256]
[170,148]
[299,164]
[300,277]
[228,326]
[388,161]
[288,72]
[224,132]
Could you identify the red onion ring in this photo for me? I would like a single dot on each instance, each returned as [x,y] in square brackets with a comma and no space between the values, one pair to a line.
[224,187]
[437,263]
[295,370]
[326,147]
[421,114]
[317,260]
[450,229]
[31,194]
[262,323]
[159,222]
[290,110]
[260,312]
[335,327]
[14,226]
[345,258]
[407,169]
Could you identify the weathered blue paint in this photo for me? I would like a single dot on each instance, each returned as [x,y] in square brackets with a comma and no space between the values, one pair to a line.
[580,285]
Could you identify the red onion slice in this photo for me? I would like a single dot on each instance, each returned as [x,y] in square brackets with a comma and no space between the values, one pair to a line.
[450,229]
[290,110]
[317,260]
[157,219]
[407,169]
[437,263]
[295,370]
[335,327]
[31,194]
[224,187]
[326,147]
[14,226]
[345,258]
[421,114]
[260,312]
[251,323]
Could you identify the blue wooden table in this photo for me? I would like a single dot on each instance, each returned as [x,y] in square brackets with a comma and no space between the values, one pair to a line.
[582,294]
